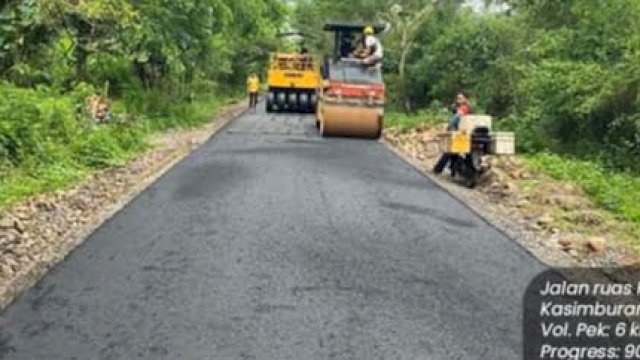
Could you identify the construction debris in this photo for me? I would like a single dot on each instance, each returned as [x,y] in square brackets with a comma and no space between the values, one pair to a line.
[535,206]
[597,244]
[98,107]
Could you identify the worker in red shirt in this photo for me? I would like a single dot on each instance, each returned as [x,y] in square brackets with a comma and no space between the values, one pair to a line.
[460,109]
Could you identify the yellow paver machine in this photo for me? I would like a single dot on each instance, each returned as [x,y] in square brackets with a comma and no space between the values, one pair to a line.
[293,79]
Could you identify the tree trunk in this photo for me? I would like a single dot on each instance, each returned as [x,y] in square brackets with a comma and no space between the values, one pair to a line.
[402,73]
[80,55]
[81,42]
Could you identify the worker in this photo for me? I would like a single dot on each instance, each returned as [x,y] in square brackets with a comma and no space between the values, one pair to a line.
[460,109]
[358,48]
[253,86]
[373,47]
[304,59]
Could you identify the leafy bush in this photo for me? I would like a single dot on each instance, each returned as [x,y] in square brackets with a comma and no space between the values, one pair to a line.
[565,83]
[107,146]
[31,118]
[114,72]
[45,143]
[160,62]
[614,191]
[565,98]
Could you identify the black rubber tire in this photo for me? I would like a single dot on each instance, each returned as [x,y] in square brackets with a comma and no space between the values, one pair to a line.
[471,181]
[475,161]
[270,100]
[304,102]
[469,173]
[281,100]
[292,102]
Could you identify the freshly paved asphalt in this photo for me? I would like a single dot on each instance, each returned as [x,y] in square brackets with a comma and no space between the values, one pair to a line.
[270,242]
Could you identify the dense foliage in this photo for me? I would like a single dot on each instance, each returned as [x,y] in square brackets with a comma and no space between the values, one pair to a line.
[563,74]
[60,42]
[161,63]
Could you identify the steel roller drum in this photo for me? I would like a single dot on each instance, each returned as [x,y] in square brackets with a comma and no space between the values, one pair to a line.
[351,121]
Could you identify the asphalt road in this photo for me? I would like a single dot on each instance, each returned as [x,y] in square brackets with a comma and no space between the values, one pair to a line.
[270,242]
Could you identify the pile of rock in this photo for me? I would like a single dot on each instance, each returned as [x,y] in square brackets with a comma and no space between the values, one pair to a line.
[556,212]
[420,143]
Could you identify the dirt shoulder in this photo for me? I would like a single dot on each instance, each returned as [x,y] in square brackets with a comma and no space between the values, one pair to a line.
[553,220]
[40,232]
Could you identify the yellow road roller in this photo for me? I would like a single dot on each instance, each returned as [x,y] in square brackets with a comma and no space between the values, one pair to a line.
[293,79]
[352,96]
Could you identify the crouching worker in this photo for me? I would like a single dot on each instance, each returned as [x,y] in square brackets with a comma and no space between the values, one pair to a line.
[460,109]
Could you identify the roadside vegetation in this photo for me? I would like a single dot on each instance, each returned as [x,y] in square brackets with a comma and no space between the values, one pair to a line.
[564,75]
[618,193]
[614,190]
[157,64]
[404,121]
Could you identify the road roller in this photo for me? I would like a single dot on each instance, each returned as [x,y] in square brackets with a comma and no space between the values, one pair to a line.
[352,96]
[293,80]
[464,148]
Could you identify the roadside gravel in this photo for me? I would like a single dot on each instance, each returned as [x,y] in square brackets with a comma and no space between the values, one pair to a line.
[40,232]
[553,220]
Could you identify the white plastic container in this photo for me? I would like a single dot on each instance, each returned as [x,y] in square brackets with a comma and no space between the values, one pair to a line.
[503,143]
[470,122]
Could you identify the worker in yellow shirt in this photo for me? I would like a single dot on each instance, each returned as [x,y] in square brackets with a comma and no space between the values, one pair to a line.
[253,87]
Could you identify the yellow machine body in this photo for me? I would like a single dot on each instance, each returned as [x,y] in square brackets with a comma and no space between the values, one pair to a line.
[455,142]
[293,71]
[292,79]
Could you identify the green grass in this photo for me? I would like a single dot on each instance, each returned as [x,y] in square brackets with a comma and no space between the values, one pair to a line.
[188,115]
[22,184]
[616,192]
[405,121]
[53,150]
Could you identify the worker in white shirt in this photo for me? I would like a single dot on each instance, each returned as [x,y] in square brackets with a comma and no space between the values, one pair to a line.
[373,47]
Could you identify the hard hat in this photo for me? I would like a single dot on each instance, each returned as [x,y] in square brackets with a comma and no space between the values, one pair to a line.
[368,30]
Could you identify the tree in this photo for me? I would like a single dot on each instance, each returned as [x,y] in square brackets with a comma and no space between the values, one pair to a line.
[406,22]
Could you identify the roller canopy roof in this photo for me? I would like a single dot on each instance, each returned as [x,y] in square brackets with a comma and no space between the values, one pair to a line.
[352,28]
